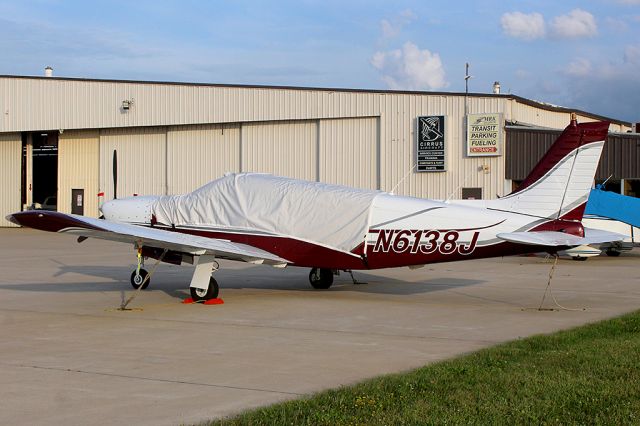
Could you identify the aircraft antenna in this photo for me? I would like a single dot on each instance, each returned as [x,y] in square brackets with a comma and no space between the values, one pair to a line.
[467,77]
[606,180]
[455,191]
[403,178]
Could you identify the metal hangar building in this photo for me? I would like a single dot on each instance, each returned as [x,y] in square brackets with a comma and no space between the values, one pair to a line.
[58,136]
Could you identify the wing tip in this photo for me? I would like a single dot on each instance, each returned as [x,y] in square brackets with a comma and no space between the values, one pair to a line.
[11,218]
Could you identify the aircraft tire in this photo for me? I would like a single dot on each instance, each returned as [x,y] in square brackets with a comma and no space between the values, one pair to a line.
[579,258]
[614,253]
[136,280]
[321,278]
[199,295]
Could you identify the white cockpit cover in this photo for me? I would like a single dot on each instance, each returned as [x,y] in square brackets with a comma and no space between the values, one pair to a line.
[332,215]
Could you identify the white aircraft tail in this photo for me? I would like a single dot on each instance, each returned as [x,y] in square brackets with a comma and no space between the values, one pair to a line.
[558,186]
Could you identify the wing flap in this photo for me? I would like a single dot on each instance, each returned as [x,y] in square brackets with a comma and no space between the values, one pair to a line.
[127,233]
[556,239]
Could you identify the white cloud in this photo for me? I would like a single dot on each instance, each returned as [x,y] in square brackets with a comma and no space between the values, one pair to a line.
[632,54]
[576,24]
[410,68]
[391,28]
[579,67]
[524,26]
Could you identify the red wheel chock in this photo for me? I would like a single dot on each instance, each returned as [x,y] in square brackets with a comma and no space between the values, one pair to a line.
[206,302]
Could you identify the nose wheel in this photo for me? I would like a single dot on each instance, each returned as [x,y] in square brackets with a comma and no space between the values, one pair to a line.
[139,278]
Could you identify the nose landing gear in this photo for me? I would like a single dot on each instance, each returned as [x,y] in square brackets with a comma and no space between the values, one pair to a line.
[139,276]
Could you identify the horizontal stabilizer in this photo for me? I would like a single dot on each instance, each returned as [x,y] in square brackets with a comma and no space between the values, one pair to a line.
[557,239]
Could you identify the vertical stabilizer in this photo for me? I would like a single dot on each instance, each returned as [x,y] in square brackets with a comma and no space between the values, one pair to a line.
[558,186]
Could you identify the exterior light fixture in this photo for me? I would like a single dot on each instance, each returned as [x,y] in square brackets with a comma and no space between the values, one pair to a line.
[126,104]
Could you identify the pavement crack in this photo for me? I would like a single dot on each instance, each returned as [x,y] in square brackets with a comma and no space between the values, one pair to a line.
[150,379]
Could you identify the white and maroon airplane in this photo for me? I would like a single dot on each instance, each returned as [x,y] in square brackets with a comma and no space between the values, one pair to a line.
[277,221]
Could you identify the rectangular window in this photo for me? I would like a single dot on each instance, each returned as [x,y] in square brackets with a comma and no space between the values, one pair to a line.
[472,193]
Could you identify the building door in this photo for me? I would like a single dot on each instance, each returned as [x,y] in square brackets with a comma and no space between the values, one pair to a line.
[77,201]
[10,154]
[40,170]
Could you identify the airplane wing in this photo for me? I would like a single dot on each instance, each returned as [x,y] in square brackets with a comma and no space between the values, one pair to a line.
[153,237]
[555,239]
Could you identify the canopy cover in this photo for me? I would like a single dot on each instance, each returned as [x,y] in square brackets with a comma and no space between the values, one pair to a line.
[332,215]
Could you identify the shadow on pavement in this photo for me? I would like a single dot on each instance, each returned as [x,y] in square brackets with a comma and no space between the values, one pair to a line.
[175,281]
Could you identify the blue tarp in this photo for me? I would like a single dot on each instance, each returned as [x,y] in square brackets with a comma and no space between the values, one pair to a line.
[615,206]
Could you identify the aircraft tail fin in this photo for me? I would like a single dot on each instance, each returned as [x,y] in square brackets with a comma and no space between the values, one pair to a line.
[558,186]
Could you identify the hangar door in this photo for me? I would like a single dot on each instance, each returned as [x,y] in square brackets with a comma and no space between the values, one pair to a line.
[283,148]
[348,152]
[78,158]
[199,154]
[10,175]
[141,154]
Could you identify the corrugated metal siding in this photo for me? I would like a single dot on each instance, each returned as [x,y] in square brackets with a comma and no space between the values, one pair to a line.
[398,145]
[40,104]
[348,152]
[528,114]
[523,150]
[285,149]
[78,160]
[620,159]
[141,161]
[199,154]
[10,175]
[33,104]
[278,129]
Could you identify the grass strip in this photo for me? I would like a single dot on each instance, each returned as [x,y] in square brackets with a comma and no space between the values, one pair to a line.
[587,375]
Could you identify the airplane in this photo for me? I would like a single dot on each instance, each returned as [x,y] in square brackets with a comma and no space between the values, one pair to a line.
[279,221]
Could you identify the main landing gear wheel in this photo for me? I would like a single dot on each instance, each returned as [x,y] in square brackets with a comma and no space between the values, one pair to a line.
[614,253]
[200,295]
[321,278]
[138,278]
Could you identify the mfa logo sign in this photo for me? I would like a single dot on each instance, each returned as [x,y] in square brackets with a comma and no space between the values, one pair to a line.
[484,135]
[430,144]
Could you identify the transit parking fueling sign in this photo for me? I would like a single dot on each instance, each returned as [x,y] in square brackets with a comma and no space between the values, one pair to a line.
[484,135]
[430,144]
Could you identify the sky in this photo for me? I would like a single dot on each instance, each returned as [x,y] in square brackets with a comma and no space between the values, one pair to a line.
[577,54]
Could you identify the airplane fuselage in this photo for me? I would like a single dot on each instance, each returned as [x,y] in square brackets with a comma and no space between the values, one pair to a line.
[401,231]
